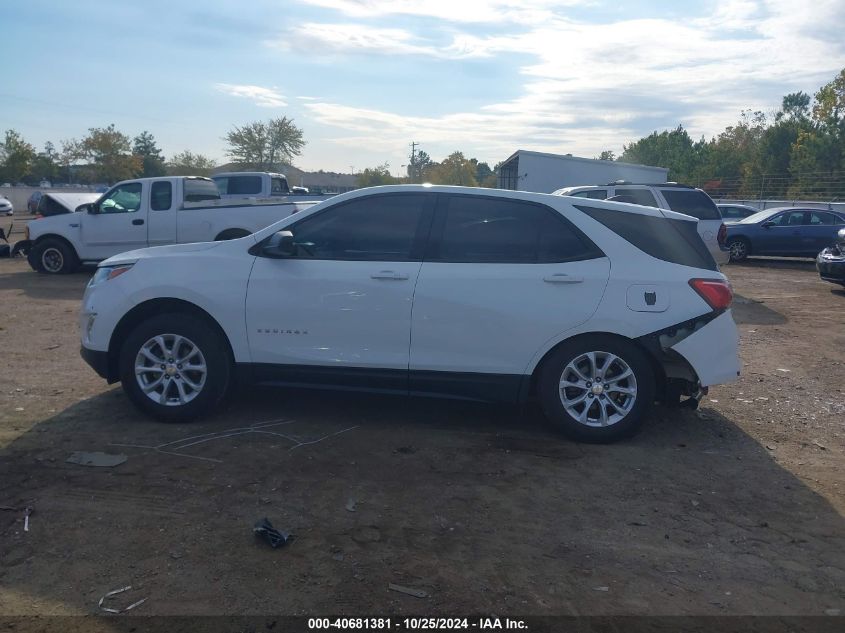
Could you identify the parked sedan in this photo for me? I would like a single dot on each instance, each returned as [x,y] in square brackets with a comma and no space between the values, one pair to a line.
[784,232]
[6,206]
[735,212]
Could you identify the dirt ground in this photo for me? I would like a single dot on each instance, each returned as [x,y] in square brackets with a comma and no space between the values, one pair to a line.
[736,508]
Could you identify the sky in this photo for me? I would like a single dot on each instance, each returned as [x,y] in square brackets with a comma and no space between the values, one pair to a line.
[365,78]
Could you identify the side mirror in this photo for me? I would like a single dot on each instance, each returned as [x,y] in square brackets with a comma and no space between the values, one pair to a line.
[92,207]
[767,224]
[279,245]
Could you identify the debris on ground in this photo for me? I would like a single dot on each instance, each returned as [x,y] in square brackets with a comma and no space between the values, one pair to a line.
[350,505]
[104,460]
[115,592]
[26,513]
[819,445]
[408,591]
[274,537]
[601,588]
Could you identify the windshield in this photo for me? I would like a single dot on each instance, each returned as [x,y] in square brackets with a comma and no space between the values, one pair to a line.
[759,216]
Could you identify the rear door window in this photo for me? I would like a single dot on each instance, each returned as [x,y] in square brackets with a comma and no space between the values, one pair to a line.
[488,230]
[639,196]
[692,202]
[161,195]
[817,218]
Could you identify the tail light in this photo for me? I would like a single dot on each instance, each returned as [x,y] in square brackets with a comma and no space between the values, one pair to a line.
[722,236]
[716,292]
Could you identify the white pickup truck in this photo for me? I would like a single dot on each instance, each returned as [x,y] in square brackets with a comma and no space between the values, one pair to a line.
[260,184]
[147,212]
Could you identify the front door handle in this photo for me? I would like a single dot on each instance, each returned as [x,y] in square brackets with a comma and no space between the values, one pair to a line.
[137,222]
[563,278]
[388,274]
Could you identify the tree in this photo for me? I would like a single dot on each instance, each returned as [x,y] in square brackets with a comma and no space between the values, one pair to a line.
[152,162]
[454,170]
[795,106]
[374,176]
[419,165]
[16,157]
[72,152]
[44,167]
[189,164]
[262,146]
[673,150]
[607,155]
[483,174]
[109,152]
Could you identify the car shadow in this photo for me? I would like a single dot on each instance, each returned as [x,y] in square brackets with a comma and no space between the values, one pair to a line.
[17,275]
[791,263]
[484,510]
[754,312]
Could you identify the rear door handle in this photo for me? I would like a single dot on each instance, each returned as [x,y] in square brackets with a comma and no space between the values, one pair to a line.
[563,278]
[388,274]
[137,222]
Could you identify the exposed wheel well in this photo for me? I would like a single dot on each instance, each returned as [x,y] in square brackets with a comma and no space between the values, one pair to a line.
[231,234]
[52,236]
[530,389]
[144,310]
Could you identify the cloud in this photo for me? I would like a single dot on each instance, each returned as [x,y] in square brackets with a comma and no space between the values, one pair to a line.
[260,96]
[466,11]
[593,86]
[331,39]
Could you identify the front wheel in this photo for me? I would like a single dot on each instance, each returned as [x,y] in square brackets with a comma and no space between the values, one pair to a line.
[739,249]
[597,388]
[175,367]
[53,256]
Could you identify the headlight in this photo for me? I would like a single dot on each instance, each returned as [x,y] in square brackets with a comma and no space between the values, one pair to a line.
[106,273]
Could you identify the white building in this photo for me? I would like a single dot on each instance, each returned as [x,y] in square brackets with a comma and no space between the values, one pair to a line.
[544,173]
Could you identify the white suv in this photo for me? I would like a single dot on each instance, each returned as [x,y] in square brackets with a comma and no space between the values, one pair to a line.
[594,308]
[669,195]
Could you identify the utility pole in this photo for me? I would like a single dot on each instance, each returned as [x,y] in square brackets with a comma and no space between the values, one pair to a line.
[414,171]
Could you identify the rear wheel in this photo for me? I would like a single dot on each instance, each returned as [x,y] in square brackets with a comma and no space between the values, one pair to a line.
[597,388]
[739,248]
[53,256]
[175,367]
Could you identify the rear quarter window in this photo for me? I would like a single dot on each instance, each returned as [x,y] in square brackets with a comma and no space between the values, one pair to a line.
[199,190]
[692,202]
[675,241]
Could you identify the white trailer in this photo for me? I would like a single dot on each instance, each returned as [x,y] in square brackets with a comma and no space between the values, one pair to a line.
[544,173]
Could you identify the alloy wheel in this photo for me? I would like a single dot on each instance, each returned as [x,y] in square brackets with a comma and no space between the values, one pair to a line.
[598,389]
[170,369]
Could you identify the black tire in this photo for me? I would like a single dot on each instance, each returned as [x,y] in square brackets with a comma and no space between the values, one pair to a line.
[634,411]
[213,351]
[53,256]
[231,234]
[740,249]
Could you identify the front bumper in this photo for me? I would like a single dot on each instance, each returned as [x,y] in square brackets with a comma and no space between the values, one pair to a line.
[99,361]
[831,266]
